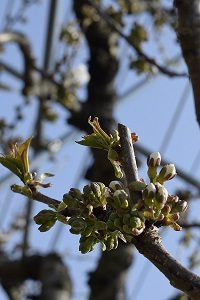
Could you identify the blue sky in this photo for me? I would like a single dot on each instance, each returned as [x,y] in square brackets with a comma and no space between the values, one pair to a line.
[147,112]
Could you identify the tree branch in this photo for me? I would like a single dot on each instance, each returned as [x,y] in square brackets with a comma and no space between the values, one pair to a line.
[188,30]
[116,28]
[149,243]
[22,42]
[129,162]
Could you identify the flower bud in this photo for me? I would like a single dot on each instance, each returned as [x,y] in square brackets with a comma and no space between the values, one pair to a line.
[149,191]
[167,173]
[175,217]
[120,198]
[179,207]
[162,193]
[149,213]
[137,231]
[172,199]
[116,185]
[154,159]
[166,209]
[160,218]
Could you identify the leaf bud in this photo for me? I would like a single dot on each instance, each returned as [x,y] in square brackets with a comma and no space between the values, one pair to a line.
[120,198]
[70,201]
[87,244]
[137,186]
[135,222]
[118,223]
[127,229]
[110,243]
[100,225]
[126,219]
[75,193]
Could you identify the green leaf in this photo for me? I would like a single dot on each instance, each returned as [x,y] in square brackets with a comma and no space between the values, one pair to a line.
[46,226]
[23,152]
[93,141]
[44,216]
[13,165]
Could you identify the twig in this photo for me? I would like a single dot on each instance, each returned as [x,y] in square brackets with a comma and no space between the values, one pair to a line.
[51,202]
[118,29]
[22,42]
[129,162]
[149,243]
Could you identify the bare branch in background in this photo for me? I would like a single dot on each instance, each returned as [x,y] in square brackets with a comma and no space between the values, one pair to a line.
[116,28]
[19,39]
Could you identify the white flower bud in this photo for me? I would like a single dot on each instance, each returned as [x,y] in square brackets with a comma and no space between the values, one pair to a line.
[154,159]
[167,172]
[149,191]
[116,185]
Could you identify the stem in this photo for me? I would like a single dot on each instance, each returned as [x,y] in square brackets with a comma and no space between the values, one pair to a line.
[149,242]
[128,159]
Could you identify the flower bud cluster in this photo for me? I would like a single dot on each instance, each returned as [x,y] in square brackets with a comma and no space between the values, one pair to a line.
[161,207]
[167,172]
[107,213]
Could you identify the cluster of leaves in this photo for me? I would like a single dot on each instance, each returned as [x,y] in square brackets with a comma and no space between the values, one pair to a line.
[110,143]
[17,161]
[107,214]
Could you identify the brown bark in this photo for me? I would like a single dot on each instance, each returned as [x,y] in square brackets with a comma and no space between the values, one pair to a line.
[188,30]
[149,242]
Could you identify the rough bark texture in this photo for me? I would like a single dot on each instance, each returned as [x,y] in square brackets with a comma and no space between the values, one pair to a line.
[108,280]
[49,270]
[188,30]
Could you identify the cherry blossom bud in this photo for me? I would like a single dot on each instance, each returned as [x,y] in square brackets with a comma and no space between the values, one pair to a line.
[149,191]
[167,172]
[154,159]
[162,193]
[116,185]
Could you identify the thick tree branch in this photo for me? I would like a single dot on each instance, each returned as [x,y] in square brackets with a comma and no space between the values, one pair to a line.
[149,244]
[188,30]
